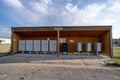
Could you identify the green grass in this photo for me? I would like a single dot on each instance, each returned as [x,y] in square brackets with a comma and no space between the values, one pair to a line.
[116,59]
[114,62]
[116,54]
[4,54]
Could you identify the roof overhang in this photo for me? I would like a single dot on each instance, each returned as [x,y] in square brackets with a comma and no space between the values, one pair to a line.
[73,31]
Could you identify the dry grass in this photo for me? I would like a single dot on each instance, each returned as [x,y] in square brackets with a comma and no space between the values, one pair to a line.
[4,48]
[116,51]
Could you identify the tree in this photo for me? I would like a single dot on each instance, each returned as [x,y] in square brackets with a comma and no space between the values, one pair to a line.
[0,41]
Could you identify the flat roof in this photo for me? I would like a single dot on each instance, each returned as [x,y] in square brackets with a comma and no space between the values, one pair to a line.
[95,26]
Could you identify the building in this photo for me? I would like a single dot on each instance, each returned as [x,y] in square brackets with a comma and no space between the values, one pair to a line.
[5,41]
[65,34]
[116,42]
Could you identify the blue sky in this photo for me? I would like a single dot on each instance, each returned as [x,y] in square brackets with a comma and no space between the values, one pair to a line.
[59,12]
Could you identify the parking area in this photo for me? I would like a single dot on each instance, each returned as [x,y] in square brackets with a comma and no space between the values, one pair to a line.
[51,67]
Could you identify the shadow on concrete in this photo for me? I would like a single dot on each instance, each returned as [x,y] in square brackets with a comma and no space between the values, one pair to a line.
[41,58]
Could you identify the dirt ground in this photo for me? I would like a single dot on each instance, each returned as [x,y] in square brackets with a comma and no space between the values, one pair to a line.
[49,67]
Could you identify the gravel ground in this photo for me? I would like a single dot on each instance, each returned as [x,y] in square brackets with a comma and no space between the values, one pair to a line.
[49,67]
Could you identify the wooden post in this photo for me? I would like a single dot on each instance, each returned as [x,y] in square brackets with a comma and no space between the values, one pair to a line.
[11,47]
[111,45]
[58,36]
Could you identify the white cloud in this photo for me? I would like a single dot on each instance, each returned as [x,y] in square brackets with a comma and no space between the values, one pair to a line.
[41,6]
[108,21]
[115,6]
[75,16]
[47,1]
[27,16]
[93,14]
[44,12]
[6,32]
[14,3]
